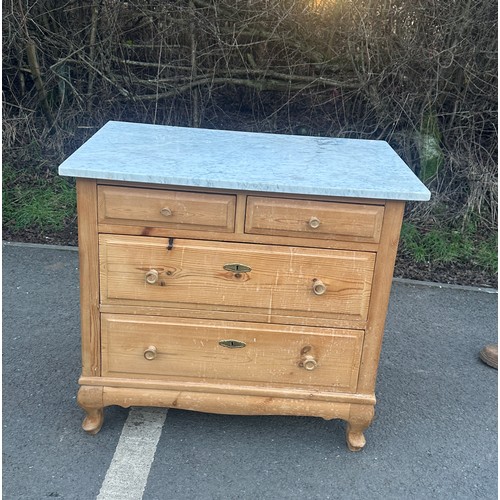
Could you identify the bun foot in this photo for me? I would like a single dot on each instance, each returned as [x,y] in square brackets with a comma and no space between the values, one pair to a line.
[92,423]
[355,439]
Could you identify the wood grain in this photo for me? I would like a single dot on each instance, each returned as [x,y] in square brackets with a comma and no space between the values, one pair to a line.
[89,276]
[382,282]
[192,272]
[335,221]
[238,236]
[247,388]
[191,348]
[166,208]
[90,400]
[208,311]
[229,404]
[187,237]
[268,194]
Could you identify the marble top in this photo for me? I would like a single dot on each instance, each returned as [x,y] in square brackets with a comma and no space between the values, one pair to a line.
[246,161]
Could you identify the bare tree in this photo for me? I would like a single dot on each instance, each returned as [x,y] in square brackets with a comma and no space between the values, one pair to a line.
[420,74]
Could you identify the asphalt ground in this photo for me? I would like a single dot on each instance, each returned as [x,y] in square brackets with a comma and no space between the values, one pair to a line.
[434,434]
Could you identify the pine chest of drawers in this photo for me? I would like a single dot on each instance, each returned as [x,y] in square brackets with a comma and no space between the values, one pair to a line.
[234,272]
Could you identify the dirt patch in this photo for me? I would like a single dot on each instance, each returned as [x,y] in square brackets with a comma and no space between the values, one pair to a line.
[68,236]
[440,272]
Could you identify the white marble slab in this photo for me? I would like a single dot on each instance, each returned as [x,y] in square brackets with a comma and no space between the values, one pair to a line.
[245,161]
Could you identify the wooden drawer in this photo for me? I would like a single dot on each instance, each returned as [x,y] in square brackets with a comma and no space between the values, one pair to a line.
[314,219]
[166,208]
[190,349]
[192,274]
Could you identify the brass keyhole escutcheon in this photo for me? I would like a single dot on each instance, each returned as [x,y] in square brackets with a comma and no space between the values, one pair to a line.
[237,268]
[232,344]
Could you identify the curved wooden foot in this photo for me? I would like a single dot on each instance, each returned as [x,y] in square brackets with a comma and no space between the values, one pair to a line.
[92,423]
[90,400]
[360,417]
[355,439]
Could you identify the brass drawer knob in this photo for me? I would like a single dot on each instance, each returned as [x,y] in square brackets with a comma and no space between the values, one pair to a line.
[314,223]
[150,353]
[309,363]
[167,212]
[319,288]
[152,276]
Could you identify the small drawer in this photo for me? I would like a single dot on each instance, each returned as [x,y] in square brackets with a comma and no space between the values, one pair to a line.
[314,219]
[142,347]
[165,208]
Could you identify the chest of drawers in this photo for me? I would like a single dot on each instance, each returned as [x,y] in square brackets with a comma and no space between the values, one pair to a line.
[235,273]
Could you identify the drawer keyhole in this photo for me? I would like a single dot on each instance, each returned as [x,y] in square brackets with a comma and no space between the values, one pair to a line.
[232,344]
[238,269]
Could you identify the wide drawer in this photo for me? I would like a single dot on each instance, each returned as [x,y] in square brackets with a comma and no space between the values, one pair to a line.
[292,281]
[166,208]
[314,219]
[142,347]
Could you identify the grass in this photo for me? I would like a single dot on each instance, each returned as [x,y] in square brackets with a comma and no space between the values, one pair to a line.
[43,203]
[450,245]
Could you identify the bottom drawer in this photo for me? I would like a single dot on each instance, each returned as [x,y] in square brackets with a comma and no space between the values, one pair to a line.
[230,352]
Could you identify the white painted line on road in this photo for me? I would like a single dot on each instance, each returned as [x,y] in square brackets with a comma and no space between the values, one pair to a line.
[129,469]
